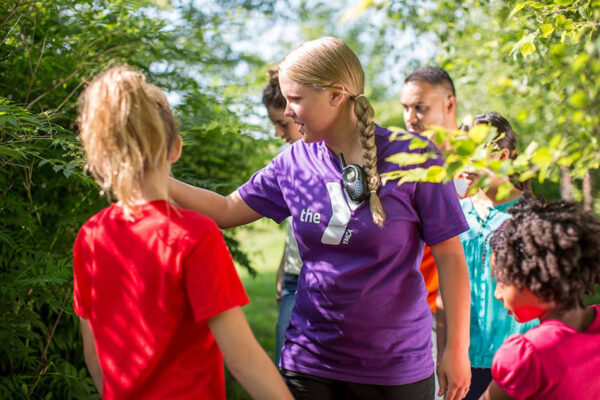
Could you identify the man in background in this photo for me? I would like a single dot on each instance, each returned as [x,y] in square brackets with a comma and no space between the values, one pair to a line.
[429,99]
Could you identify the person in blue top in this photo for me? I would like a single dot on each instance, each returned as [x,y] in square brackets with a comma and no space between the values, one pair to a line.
[490,324]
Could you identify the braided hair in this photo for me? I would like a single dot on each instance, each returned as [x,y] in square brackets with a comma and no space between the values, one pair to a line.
[320,63]
[553,249]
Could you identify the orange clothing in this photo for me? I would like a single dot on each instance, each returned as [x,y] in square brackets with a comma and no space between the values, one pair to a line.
[430,274]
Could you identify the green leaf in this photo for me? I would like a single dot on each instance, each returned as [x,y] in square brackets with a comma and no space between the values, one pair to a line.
[563,3]
[555,141]
[504,190]
[547,30]
[578,99]
[12,153]
[436,173]
[542,157]
[405,159]
[465,148]
[418,144]
[579,62]
[518,7]
[527,49]
[478,133]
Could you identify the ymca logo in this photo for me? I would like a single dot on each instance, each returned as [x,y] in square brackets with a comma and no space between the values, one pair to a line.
[347,236]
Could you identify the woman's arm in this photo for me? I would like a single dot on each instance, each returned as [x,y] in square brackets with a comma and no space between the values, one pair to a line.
[454,371]
[495,392]
[227,211]
[244,357]
[90,356]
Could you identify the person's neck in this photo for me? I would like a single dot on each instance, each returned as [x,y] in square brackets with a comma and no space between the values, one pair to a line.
[578,318]
[450,125]
[154,185]
[345,139]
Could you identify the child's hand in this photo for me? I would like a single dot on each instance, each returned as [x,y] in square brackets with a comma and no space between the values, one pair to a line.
[454,374]
[278,289]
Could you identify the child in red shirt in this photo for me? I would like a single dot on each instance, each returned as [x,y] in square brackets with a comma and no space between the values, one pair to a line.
[546,258]
[154,285]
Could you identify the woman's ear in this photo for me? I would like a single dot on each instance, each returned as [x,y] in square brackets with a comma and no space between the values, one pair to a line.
[175,151]
[338,94]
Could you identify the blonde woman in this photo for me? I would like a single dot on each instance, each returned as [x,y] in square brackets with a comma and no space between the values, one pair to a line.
[154,285]
[361,326]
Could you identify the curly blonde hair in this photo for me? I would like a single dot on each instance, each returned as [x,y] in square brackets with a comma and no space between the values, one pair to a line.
[321,63]
[127,129]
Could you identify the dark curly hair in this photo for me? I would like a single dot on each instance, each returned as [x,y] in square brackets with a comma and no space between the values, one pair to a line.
[272,96]
[553,249]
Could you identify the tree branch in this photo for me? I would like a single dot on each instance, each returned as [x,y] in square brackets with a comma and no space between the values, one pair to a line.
[71,75]
[14,10]
[34,72]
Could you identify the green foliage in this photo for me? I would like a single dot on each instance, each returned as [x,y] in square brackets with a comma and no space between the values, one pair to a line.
[48,51]
[533,62]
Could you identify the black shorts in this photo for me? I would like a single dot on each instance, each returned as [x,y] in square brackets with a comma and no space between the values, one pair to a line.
[310,387]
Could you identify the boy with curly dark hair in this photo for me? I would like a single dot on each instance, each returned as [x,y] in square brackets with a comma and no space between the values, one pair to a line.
[546,258]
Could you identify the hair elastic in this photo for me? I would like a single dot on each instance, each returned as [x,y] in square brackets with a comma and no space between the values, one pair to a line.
[360,95]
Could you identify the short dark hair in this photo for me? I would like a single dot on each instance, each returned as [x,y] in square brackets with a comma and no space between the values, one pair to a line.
[506,138]
[433,76]
[553,249]
[272,96]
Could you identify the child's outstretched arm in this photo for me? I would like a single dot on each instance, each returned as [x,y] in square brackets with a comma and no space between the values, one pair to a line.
[227,211]
[90,356]
[454,372]
[495,392]
[244,357]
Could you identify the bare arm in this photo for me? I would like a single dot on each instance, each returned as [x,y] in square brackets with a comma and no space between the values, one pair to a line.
[440,328]
[495,392]
[454,369]
[227,212]
[90,356]
[244,357]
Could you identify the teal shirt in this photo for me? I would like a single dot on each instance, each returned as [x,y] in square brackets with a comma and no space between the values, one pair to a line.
[490,323]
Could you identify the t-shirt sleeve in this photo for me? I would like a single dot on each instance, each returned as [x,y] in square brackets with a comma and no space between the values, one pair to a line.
[516,369]
[440,212]
[211,281]
[81,279]
[263,192]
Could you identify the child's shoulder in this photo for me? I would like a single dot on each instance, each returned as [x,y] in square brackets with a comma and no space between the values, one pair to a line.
[194,220]
[98,219]
[182,222]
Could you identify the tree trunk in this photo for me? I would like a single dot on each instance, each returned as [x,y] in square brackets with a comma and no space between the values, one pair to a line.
[566,184]
[588,193]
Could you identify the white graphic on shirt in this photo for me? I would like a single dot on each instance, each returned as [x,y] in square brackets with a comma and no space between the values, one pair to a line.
[308,216]
[340,215]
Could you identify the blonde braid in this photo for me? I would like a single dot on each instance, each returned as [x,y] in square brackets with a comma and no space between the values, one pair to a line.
[366,130]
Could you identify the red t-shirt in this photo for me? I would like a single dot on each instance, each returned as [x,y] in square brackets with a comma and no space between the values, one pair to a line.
[147,288]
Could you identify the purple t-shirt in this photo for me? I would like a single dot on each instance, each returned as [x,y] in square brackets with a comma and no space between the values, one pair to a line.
[361,312]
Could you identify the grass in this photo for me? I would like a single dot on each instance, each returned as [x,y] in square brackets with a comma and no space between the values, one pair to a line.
[263,241]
